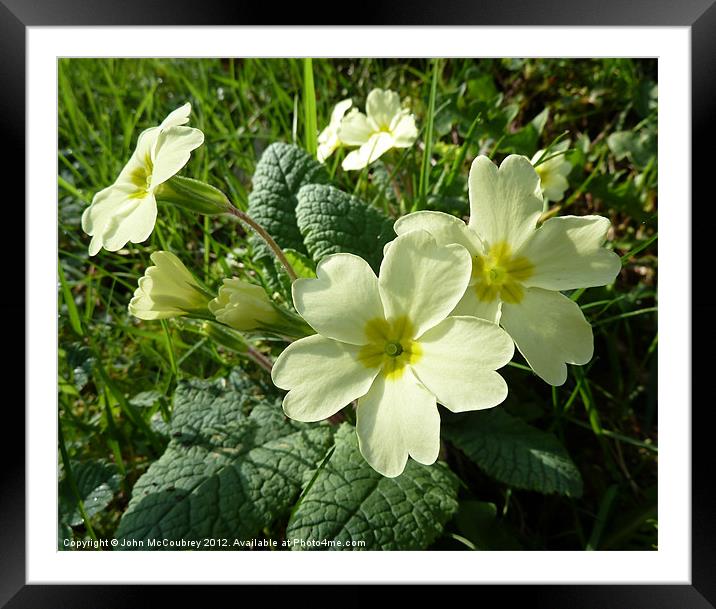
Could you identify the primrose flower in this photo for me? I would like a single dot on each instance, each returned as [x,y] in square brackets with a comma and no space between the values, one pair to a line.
[246,307]
[127,210]
[518,269]
[386,126]
[390,343]
[167,290]
[553,172]
[328,139]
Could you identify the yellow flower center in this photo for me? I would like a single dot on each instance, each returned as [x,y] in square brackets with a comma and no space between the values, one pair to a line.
[390,346]
[500,274]
[141,177]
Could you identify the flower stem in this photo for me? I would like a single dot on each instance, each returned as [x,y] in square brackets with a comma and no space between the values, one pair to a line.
[246,219]
[260,359]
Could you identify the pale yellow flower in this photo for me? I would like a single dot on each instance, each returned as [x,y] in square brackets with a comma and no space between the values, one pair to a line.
[168,289]
[390,343]
[385,126]
[127,210]
[519,269]
[553,172]
[328,139]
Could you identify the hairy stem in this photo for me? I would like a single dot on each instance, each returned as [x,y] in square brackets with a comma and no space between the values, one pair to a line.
[246,219]
[260,359]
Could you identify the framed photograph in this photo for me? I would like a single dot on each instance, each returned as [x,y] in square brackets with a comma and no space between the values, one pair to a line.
[377,288]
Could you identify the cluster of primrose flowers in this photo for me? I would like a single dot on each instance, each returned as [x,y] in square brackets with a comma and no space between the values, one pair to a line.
[449,305]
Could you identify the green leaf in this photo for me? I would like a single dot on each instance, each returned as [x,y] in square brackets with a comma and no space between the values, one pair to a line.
[646,98]
[146,399]
[478,522]
[639,148]
[97,481]
[622,194]
[302,264]
[282,170]
[481,86]
[350,502]
[234,466]
[309,107]
[514,452]
[333,221]
[64,536]
[524,141]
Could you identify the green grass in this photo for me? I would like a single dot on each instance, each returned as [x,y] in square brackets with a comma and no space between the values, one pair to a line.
[606,412]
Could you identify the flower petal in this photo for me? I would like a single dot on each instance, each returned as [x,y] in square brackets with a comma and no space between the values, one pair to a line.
[554,186]
[458,360]
[328,139]
[341,300]
[395,419]
[109,209]
[404,130]
[339,111]
[172,266]
[172,151]
[144,308]
[166,290]
[133,220]
[180,116]
[327,147]
[567,253]
[354,129]
[549,330]
[96,216]
[421,280]
[505,204]
[473,306]
[322,375]
[244,306]
[139,166]
[445,228]
[377,145]
[381,107]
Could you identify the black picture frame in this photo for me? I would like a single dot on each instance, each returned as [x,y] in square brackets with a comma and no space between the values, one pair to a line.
[698,15]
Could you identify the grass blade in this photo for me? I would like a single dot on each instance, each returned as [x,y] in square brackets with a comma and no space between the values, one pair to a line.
[72,312]
[309,107]
[423,184]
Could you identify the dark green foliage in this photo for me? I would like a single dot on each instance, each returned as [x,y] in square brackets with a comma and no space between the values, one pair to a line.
[225,473]
[351,504]
[515,453]
[280,174]
[332,221]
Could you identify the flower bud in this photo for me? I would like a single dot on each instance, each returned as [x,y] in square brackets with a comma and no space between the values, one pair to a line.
[168,290]
[193,195]
[246,307]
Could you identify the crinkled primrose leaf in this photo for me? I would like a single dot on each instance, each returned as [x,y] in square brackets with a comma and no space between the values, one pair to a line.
[234,466]
[352,504]
[332,221]
[97,482]
[280,173]
[514,452]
